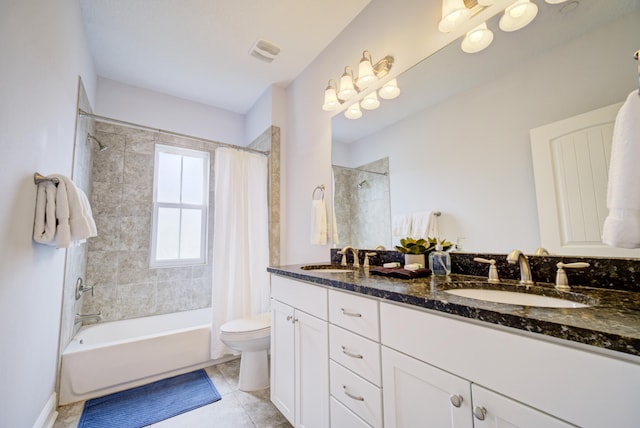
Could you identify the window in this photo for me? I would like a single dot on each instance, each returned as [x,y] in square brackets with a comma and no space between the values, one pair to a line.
[180,202]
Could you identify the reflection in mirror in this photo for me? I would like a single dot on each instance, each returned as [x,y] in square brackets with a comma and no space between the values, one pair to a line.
[457,138]
[362,207]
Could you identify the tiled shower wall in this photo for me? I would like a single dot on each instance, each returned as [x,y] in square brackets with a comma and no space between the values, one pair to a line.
[362,206]
[118,259]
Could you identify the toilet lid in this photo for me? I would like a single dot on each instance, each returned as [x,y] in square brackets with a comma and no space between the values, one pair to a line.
[245,325]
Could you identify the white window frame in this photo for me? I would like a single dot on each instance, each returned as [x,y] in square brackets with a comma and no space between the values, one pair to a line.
[153,262]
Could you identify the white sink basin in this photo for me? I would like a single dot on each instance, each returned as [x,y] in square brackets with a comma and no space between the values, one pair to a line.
[514,298]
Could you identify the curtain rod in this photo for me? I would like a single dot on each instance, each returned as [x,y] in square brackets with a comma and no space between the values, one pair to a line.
[163,131]
[360,170]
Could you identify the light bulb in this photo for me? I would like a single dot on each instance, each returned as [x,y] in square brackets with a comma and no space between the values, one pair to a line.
[370,102]
[477,39]
[347,89]
[330,99]
[518,15]
[353,112]
[390,90]
[454,12]
[366,76]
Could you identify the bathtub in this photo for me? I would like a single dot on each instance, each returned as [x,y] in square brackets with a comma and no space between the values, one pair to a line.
[113,356]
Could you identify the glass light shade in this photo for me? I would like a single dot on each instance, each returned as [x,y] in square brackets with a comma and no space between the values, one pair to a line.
[390,90]
[366,76]
[486,2]
[347,90]
[518,15]
[353,112]
[370,102]
[331,101]
[555,1]
[477,39]
[454,12]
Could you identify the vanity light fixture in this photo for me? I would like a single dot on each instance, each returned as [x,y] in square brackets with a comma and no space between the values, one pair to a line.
[331,101]
[389,90]
[454,13]
[370,102]
[347,88]
[366,75]
[477,39]
[518,15]
[353,112]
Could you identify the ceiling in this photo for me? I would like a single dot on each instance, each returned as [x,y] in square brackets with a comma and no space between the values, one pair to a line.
[199,49]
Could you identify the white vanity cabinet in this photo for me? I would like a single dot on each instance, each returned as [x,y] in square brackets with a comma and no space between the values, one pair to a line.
[354,350]
[299,352]
[519,380]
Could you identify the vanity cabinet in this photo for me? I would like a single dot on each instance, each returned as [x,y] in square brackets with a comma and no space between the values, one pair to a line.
[520,379]
[299,352]
[354,367]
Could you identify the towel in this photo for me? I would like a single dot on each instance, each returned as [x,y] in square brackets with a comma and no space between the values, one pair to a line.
[319,228]
[402,225]
[622,225]
[63,214]
[44,224]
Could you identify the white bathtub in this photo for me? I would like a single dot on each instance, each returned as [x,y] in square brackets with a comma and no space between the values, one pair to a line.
[113,356]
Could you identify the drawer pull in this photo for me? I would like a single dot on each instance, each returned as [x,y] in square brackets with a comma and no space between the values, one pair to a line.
[349,354]
[456,400]
[480,412]
[289,317]
[353,397]
[350,314]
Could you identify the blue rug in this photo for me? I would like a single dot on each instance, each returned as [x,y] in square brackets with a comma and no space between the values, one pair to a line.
[148,404]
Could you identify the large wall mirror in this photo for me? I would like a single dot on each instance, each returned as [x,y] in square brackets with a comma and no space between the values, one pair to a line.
[457,138]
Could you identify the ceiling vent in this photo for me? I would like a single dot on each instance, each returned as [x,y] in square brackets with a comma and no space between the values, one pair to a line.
[264,50]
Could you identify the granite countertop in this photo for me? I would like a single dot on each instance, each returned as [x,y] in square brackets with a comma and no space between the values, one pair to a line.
[612,321]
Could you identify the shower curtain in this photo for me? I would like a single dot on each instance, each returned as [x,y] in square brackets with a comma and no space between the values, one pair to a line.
[240,240]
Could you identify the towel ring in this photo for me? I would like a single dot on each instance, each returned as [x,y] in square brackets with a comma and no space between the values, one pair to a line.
[321,188]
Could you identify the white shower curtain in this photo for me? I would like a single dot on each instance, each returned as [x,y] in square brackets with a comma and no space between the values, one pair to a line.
[240,240]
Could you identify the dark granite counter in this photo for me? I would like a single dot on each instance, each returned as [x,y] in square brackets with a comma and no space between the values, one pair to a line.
[612,321]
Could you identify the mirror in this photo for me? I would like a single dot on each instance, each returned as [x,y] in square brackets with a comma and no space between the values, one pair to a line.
[457,137]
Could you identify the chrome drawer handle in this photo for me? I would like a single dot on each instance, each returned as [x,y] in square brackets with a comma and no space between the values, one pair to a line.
[456,400]
[350,314]
[289,317]
[349,354]
[353,397]
[480,412]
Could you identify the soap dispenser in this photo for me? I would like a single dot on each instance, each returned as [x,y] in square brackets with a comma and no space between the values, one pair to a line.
[440,262]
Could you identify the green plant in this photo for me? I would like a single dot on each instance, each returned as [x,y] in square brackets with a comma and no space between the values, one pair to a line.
[410,245]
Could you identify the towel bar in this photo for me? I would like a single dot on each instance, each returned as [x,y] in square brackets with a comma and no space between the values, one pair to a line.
[39,178]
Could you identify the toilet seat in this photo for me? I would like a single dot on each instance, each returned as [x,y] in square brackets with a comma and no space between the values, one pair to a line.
[255,327]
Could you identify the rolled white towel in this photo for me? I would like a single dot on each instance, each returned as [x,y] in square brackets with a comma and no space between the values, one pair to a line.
[44,223]
[81,222]
[63,229]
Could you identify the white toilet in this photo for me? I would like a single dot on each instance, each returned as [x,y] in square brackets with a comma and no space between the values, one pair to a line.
[251,336]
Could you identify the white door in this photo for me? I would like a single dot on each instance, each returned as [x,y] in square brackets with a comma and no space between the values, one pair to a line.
[312,371]
[416,394]
[493,410]
[571,168]
[282,359]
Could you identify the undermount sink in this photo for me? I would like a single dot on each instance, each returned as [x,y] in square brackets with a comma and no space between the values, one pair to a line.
[515,298]
[328,269]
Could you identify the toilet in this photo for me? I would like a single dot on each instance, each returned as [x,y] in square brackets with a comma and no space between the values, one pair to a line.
[251,336]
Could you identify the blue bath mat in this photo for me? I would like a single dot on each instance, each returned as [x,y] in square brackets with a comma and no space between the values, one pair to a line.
[148,404]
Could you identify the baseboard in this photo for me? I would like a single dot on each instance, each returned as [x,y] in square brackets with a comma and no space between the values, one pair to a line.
[48,414]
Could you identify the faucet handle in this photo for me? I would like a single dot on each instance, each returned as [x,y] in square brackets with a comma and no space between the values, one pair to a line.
[493,270]
[366,259]
[562,282]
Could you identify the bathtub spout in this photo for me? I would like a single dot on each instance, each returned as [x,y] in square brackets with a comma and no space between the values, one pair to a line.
[87,317]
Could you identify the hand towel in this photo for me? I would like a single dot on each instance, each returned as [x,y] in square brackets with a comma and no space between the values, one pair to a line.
[81,222]
[622,225]
[44,223]
[401,225]
[421,225]
[319,228]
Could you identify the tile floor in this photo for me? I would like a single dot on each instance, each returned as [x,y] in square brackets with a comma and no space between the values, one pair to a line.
[237,409]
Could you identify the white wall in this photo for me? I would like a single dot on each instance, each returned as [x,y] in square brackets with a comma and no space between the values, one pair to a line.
[470,156]
[402,28]
[43,53]
[160,111]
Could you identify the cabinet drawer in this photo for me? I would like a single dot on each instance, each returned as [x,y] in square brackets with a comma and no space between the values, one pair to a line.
[341,417]
[355,313]
[356,353]
[306,297]
[361,397]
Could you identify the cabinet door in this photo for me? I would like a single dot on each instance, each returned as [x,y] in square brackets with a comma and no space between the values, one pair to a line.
[416,394]
[312,371]
[282,359]
[493,410]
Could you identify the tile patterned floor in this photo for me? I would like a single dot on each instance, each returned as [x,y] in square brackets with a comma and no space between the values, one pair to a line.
[237,409]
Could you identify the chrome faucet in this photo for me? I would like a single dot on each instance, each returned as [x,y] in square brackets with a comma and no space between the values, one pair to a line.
[88,317]
[343,252]
[516,256]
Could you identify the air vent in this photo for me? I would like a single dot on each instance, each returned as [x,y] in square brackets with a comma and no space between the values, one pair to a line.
[264,50]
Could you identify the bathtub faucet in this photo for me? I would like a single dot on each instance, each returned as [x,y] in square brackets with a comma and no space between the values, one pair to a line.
[87,317]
